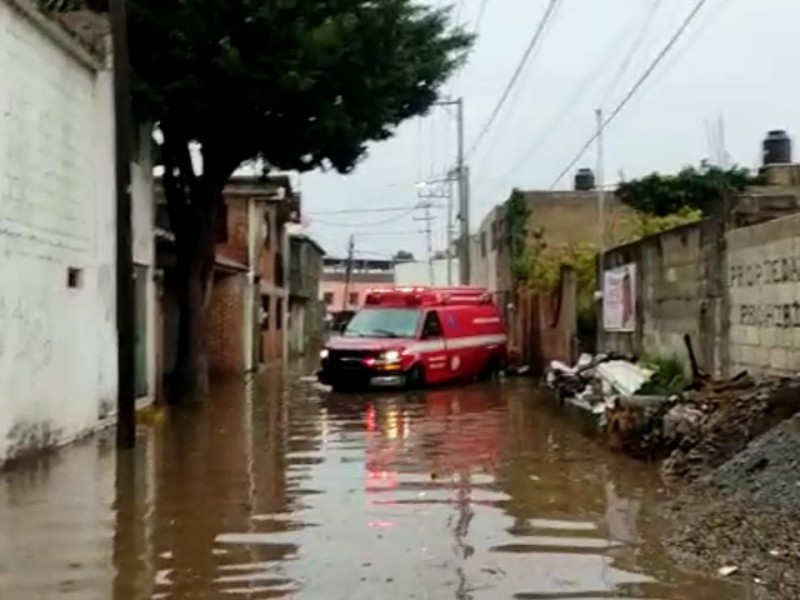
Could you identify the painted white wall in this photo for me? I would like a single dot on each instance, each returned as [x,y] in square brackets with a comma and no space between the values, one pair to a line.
[144,251]
[57,344]
[419,273]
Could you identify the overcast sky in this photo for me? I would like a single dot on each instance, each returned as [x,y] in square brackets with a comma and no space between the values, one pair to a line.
[737,61]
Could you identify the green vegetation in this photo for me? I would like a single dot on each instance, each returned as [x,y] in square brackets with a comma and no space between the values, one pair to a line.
[691,188]
[648,224]
[516,222]
[669,378]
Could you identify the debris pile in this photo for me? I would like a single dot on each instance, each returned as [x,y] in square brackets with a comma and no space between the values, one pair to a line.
[742,517]
[695,426]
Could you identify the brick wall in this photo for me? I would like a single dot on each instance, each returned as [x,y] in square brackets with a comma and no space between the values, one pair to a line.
[763,277]
[236,247]
[226,325]
[679,290]
[544,326]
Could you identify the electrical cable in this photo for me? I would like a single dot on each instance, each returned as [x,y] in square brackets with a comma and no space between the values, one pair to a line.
[352,211]
[552,126]
[479,18]
[532,45]
[698,33]
[371,224]
[636,87]
[637,43]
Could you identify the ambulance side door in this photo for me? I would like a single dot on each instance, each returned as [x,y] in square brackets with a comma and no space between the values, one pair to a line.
[434,354]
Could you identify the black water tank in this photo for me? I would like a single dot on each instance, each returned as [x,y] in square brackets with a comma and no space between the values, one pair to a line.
[777,148]
[584,180]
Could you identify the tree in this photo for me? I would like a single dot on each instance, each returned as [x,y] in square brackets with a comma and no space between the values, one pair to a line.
[692,188]
[403,256]
[298,84]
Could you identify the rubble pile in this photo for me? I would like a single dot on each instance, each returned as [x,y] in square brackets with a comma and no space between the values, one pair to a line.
[712,424]
[694,430]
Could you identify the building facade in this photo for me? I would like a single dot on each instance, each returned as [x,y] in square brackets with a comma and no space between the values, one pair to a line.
[344,291]
[58,340]
[306,311]
[248,306]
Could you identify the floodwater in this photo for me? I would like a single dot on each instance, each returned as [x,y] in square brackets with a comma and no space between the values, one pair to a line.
[289,491]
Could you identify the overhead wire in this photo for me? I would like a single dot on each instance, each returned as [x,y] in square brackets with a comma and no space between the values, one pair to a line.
[532,45]
[479,18]
[713,13]
[552,126]
[370,224]
[636,87]
[637,43]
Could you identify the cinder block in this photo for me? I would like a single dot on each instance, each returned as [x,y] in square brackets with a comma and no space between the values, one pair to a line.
[778,359]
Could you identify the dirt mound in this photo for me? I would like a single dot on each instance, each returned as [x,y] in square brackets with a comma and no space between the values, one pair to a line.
[746,514]
[715,423]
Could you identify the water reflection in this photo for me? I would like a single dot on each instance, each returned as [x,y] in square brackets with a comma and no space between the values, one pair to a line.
[278,489]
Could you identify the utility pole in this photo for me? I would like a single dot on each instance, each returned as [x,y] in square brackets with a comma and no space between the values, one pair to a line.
[601,221]
[461,175]
[463,199]
[450,231]
[348,273]
[427,219]
[126,361]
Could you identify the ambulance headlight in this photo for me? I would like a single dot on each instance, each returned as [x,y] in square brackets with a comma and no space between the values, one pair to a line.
[392,356]
[323,354]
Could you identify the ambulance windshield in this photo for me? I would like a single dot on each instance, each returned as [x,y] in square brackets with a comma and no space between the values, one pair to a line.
[384,322]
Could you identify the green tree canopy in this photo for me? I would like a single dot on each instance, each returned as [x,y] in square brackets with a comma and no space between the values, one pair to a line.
[298,84]
[691,188]
[403,256]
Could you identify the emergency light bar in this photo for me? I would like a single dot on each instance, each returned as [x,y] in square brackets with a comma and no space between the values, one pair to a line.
[426,296]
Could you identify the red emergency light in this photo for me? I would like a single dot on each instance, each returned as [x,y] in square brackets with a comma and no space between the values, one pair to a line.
[425,296]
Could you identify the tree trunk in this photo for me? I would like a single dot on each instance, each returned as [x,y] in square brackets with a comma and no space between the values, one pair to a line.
[191,370]
[196,256]
[193,202]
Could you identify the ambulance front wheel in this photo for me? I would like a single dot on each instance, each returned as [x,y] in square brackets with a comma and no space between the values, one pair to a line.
[416,377]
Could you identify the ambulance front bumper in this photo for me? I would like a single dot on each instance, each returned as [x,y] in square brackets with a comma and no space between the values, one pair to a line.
[360,378]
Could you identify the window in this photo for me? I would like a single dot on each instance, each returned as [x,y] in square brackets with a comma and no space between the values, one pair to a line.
[483,244]
[353,298]
[384,322]
[433,326]
[327,298]
[279,314]
[74,278]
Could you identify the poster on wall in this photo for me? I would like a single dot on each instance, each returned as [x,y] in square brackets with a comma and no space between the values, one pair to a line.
[619,299]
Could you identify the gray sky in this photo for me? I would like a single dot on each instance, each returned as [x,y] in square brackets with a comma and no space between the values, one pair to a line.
[737,61]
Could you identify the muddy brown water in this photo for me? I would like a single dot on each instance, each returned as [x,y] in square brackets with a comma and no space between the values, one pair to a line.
[288,491]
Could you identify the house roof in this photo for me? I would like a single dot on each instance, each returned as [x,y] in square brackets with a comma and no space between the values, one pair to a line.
[303,238]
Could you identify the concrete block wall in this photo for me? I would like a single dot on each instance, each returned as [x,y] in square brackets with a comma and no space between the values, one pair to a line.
[679,291]
[763,277]
[57,308]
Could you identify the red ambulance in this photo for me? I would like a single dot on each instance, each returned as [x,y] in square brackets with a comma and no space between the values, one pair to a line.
[414,336]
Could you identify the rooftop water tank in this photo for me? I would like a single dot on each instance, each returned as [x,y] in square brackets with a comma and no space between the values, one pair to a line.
[777,148]
[584,180]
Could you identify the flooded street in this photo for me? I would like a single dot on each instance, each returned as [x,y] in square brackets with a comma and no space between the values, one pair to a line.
[273,491]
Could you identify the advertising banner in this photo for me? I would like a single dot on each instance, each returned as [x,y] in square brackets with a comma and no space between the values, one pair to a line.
[619,299]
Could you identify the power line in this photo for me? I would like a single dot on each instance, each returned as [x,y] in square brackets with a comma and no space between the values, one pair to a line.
[352,211]
[629,96]
[479,18]
[370,224]
[698,33]
[518,71]
[637,43]
[567,107]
